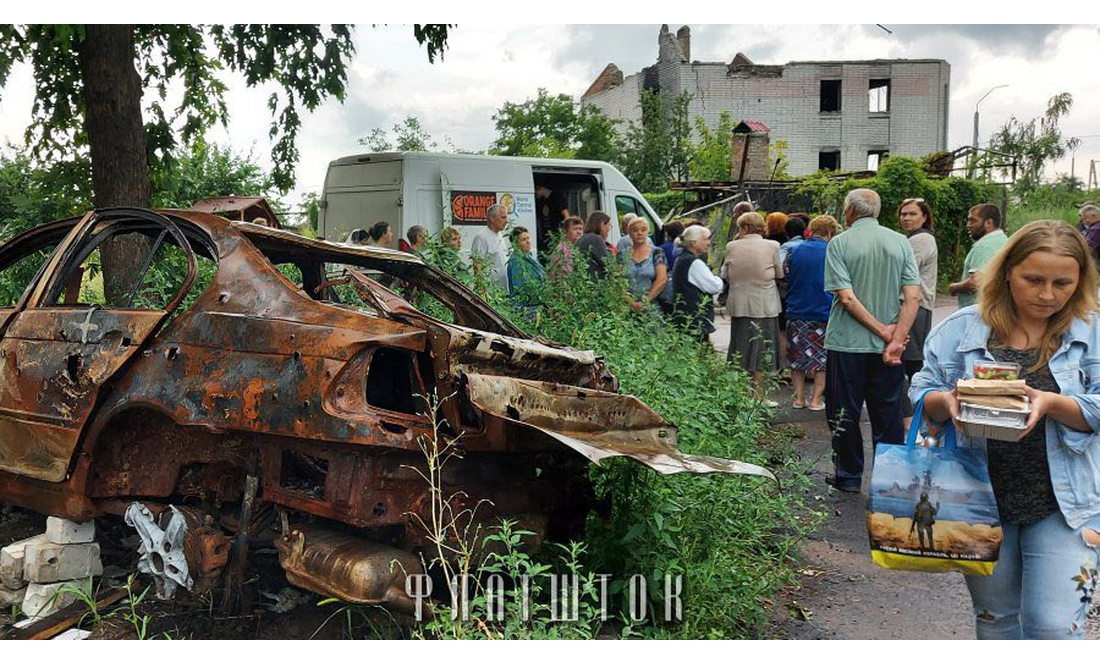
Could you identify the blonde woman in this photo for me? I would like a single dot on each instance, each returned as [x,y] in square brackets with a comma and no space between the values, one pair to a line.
[752,267]
[1037,308]
[644,265]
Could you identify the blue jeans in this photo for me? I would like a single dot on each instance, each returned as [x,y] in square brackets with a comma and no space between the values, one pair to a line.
[1041,587]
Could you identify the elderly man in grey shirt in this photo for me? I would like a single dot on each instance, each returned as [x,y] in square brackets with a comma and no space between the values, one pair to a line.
[489,246]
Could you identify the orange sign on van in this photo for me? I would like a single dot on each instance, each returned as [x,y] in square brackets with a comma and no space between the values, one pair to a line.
[470,207]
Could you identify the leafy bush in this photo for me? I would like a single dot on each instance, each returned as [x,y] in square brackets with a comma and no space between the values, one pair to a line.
[1059,200]
[731,538]
[900,178]
[665,202]
[1019,216]
[203,170]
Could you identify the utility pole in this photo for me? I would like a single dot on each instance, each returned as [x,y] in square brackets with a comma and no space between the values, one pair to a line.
[1073,144]
[974,161]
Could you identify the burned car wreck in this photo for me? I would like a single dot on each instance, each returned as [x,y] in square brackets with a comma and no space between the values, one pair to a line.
[255,381]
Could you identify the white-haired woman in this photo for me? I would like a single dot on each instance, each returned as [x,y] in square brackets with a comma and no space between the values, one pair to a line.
[693,283]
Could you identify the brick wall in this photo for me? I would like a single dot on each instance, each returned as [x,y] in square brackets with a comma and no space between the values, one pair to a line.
[787,99]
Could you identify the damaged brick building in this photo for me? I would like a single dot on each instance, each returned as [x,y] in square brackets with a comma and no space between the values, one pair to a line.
[841,115]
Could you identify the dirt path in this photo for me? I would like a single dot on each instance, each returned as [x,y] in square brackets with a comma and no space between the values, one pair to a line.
[845,596]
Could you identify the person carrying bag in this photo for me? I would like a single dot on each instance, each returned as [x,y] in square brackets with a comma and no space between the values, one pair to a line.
[1037,309]
[931,508]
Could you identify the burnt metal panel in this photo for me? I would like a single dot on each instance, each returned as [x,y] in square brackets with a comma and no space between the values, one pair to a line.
[56,361]
[597,424]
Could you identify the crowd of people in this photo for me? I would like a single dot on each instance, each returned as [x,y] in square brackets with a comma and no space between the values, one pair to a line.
[849,312]
[1028,299]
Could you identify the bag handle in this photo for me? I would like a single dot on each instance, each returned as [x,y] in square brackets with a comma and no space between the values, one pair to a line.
[948,428]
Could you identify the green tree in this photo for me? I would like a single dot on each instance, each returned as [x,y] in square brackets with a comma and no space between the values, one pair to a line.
[32,194]
[777,152]
[202,170]
[657,150]
[1035,142]
[596,135]
[409,135]
[551,126]
[709,157]
[89,83]
[377,141]
[899,178]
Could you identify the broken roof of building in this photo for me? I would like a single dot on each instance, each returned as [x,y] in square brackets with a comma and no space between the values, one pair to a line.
[239,208]
[739,66]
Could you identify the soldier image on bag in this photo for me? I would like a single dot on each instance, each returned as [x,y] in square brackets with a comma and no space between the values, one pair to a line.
[924,516]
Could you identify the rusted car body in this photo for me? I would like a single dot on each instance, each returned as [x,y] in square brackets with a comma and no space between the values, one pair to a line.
[252,375]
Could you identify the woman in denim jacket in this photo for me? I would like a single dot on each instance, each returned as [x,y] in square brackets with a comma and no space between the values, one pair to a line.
[1037,308]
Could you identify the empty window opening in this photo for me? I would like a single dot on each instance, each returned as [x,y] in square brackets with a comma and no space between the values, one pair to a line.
[830,96]
[17,277]
[875,158]
[304,474]
[828,160]
[392,382]
[879,96]
[159,272]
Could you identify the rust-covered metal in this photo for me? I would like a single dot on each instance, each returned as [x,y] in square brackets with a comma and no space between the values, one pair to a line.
[596,424]
[249,372]
[338,565]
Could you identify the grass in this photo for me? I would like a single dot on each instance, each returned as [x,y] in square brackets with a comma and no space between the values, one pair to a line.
[732,539]
[86,593]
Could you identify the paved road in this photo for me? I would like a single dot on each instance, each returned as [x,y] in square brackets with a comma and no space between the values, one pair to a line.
[842,594]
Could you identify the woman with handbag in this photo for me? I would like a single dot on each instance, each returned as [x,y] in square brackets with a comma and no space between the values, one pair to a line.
[1038,309]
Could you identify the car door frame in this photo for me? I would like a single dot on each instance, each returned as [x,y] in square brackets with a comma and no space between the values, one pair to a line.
[57,358]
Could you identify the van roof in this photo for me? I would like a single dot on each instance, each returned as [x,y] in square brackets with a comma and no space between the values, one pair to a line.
[409,156]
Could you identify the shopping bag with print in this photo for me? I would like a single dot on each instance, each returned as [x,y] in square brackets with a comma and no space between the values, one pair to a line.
[931,508]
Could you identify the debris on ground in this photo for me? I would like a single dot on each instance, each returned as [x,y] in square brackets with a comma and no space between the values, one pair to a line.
[43,573]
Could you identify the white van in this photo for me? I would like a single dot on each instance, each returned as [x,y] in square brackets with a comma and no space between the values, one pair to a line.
[438,190]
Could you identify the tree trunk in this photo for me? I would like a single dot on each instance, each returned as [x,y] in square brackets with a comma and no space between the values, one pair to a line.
[116,140]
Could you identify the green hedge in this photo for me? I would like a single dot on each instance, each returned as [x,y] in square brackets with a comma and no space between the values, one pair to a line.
[900,178]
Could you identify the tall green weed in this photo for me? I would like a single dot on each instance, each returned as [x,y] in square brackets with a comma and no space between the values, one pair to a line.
[731,538]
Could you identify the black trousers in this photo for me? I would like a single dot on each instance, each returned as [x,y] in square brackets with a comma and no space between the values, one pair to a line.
[850,380]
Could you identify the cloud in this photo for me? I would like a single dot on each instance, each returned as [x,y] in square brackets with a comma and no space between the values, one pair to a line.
[588,48]
[1035,40]
[487,64]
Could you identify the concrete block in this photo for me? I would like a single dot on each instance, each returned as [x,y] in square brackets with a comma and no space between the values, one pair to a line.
[46,562]
[65,532]
[9,597]
[42,600]
[11,562]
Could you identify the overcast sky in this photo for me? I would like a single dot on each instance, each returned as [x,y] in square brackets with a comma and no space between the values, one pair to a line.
[486,65]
